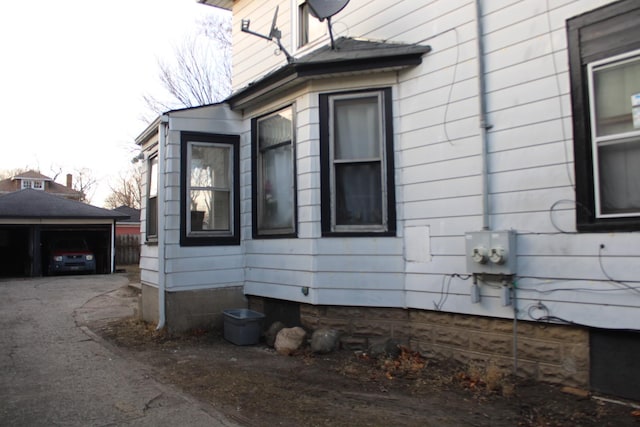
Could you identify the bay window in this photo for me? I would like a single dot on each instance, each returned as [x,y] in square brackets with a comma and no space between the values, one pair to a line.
[356,142]
[274,202]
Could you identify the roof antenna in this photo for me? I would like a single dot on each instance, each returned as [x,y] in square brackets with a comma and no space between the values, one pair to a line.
[325,9]
[274,33]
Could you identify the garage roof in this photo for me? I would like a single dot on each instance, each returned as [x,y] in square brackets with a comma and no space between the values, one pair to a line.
[30,203]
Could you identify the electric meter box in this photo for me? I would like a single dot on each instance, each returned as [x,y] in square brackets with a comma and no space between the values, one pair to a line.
[491,252]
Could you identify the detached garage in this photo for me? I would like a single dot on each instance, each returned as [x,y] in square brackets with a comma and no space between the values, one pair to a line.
[32,222]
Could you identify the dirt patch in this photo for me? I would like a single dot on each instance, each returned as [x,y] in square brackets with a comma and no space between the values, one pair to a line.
[258,387]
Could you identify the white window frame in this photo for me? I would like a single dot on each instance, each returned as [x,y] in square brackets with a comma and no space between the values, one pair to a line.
[230,189]
[383,226]
[36,184]
[599,141]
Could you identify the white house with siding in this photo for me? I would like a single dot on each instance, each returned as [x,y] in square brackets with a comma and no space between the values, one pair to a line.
[460,175]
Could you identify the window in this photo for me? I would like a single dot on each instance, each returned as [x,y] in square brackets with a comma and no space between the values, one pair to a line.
[614,92]
[604,51]
[210,202]
[309,27]
[152,198]
[356,143]
[32,183]
[274,198]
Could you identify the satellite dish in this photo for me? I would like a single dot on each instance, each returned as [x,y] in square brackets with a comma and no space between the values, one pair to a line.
[323,9]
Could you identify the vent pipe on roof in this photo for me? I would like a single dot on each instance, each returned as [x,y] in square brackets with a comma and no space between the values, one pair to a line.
[69,181]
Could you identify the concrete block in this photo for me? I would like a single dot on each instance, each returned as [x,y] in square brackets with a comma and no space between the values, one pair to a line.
[187,310]
[149,303]
[496,344]
[539,350]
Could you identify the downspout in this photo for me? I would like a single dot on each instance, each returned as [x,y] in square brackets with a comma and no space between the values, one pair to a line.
[484,125]
[162,140]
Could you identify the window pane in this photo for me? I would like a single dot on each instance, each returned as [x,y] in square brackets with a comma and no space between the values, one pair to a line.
[275,172]
[152,215]
[209,167]
[358,194]
[309,27]
[210,210]
[357,129]
[613,88]
[277,178]
[620,177]
[275,130]
[153,177]
[152,198]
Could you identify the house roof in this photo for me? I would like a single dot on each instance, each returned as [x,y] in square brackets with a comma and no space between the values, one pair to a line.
[31,174]
[133,214]
[30,203]
[349,56]
[222,4]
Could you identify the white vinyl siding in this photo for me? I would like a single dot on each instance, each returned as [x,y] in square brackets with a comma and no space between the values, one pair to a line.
[438,166]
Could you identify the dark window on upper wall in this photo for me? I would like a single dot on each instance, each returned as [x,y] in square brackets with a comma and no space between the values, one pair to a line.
[273,178]
[309,27]
[357,171]
[152,198]
[604,56]
[209,189]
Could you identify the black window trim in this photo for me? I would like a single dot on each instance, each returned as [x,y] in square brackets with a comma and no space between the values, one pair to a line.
[579,58]
[261,234]
[326,167]
[210,240]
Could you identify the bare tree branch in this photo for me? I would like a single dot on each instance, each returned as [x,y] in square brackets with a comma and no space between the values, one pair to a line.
[127,191]
[85,183]
[200,71]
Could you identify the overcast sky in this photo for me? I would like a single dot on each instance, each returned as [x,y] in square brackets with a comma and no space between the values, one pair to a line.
[72,77]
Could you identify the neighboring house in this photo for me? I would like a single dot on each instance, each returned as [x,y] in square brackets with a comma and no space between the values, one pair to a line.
[32,221]
[131,225]
[37,181]
[395,185]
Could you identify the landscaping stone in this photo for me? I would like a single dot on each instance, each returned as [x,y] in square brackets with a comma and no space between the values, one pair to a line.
[289,340]
[272,332]
[324,340]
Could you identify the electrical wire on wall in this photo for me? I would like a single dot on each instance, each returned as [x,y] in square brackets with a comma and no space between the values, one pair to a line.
[453,78]
[557,80]
[558,202]
[445,286]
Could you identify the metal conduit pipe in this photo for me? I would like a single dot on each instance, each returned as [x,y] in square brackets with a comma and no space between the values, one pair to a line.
[162,141]
[484,140]
[484,125]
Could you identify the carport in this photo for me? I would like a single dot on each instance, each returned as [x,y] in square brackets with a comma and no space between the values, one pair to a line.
[31,219]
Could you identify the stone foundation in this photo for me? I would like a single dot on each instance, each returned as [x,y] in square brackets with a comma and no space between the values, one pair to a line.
[545,352]
[187,310]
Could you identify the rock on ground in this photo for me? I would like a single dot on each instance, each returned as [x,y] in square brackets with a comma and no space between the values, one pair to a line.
[289,340]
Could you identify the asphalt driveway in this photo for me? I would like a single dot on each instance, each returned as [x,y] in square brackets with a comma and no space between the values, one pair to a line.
[54,371]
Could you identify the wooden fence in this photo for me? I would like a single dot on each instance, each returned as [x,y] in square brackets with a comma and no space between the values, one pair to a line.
[127,249]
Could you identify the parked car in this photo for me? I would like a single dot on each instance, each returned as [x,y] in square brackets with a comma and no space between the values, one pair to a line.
[71,255]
